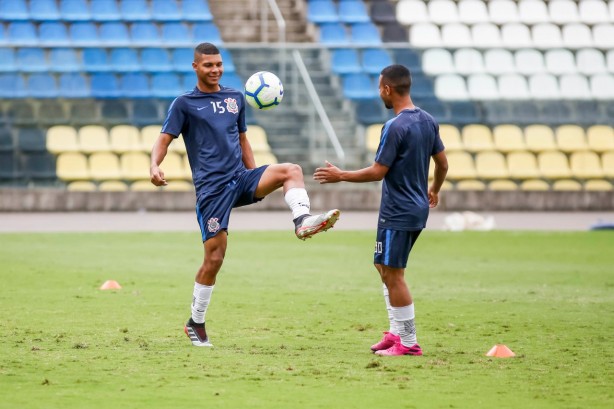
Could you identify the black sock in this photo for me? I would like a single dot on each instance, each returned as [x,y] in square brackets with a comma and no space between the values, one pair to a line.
[299,220]
[194,324]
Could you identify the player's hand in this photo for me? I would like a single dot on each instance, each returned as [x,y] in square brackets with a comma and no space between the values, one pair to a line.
[329,174]
[433,198]
[157,176]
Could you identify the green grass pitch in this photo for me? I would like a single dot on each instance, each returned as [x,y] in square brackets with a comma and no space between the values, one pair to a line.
[292,322]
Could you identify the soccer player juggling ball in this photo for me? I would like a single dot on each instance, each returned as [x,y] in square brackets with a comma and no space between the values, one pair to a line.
[211,119]
[407,143]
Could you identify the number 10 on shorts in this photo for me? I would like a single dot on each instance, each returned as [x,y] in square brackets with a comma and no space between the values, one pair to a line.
[378,247]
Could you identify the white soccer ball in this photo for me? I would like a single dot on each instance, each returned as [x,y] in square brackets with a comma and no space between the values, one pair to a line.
[264,90]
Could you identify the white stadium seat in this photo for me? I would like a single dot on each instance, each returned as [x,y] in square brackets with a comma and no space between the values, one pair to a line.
[533,12]
[593,11]
[486,35]
[436,61]
[482,87]
[610,60]
[513,86]
[516,35]
[472,12]
[443,12]
[503,11]
[560,62]
[547,36]
[544,86]
[563,11]
[590,61]
[499,61]
[412,12]
[577,35]
[611,10]
[603,35]
[425,35]
[451,87]
[602,86]
[529,61]
[456,35]
[574,86]
[468,61]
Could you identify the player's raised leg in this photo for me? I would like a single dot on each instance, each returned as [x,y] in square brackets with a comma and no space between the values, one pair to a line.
[290,177]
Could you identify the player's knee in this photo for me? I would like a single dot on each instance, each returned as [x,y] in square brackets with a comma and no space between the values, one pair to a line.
[294,171]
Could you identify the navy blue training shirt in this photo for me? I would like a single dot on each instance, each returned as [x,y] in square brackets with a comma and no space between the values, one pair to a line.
[210,124]
[407,143]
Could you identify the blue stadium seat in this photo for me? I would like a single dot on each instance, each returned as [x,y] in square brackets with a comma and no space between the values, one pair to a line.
[463,112]
[145,112]
[85,112]
[358,86]
[105,10]
[14,10]
[176,33]
[44,10]
[322,11]
[22,33]
[206,32]
[155,60]
[64,60]
[383,12]
[374,60]
[230,79]
[31,60]
[524,112]
[42,86]
[7,143]
[125,60]
[144,33]
[334,34]
[96,60]
[188,81]
[345,61]
[165,10]
[21,110]
[73,85]
[114,112]
[115,33]
[38,166]
[182,58]
[421,86]
[104,85]
[195,10]
[353,12]
[408,58]
[434,107]
[370,111]
[394,33]
[8,166]
[7,60]
[30,139]
[3,35]
[53,33]
[365,33]
[134,85]
[165,85]
[84,33]
[52,112]
[229,65]
[75,10]
[135,10]
[12,86]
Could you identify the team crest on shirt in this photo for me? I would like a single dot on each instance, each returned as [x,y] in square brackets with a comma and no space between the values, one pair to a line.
[231,105]
[213,225]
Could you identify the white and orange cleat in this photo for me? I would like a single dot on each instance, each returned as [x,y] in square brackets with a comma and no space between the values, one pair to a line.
[311,225]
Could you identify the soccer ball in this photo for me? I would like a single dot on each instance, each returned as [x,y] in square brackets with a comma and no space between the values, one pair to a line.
[264,90]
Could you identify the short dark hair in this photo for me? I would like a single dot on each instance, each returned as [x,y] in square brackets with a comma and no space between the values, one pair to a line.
[206,48]
[398,77]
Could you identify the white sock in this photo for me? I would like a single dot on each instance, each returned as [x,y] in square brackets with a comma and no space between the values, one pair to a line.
[393,324]
[297,201]
[200,302]
[404,317]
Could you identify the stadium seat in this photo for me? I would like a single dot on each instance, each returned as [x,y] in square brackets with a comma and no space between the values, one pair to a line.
[149,135]
[472,12]
[593,11]
[491,165]
[470,184]
[585,165]
[600,138]
[570,138]
[83,33]
[394,33]
[544,86]
[602,87]
[155,60]
[95,60]
[503,11]
[7,142]
[451,138]
[85,112]
[114,112]
[264,158]
[461,166]
[22,33]
[539,138]
[373,60]
[566,185]
[370,111]
[52,112]
[425,35]
[410,12]
[164,10]
[195,10]
[345,61]
[124,60]
[499,61]
[177,146]
[563,11]
[574,87]
[522,165]
[176,33]
[560,62]
[334,34]
[372,137]
[114,34]
[42,86]
[590,61]
[382,12]
[607,163]
[112,186]
[72,166]
[486,35]
[258,139]
[546,36]
[437,61]
[64,60]
[516,35]
[135,10]
[206,31]
[44,10]
[456,35]
[75,10]
[529,62]
[513,87]
[503,184]
[165,85]
[411,59]
[8,62]
[134,166]
[145,112]
[577,35]
[62,139]
[105,10]
[53,33]
[173,167]
[443,12]
[31,139]
[322,11]
[14,10]
[365,34]
[104,166]
[81,186]
[93,138]
[73,85]
[554,165]
[467,61]
[451,88]
[104,85]
[145,33]
[533,12]
[32,60]
[598,185]
[358,86]
[534,184]
[477,138]
[610,60]
[482,87]
[508,138]
[134,85]
[181,60]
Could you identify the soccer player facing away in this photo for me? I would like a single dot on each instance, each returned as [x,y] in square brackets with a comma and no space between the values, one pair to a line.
[211,119]
[407,143]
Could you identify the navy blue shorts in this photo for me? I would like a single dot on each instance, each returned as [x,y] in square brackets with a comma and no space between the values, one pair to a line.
[392,247]
[213,210]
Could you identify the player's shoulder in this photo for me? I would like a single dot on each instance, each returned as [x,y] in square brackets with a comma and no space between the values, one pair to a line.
[182,99]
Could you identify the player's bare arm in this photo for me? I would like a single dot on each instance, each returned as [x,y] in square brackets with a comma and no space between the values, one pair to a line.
[332,174]
[158,153]
[246,151]
[441,170]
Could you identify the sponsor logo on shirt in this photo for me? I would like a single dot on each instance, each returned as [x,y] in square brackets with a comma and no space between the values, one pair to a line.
[231,105]
[213,225]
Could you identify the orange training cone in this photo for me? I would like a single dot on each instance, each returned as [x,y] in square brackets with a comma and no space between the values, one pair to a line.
[111,285]
[500,351]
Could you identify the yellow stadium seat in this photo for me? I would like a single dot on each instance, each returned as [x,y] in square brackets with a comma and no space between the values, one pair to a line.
[113,186]
[607,163]
[373,135]
[149,135]
[179,186]
[134,166]
[491,165]
[451,137]
[446,185]
[94,138]
[177,145]
[522,165]
[460,166]
[186,166]
[125,138]
[534,184]
[265,158]
[104,166]
[598,184]
[62,139]
[586,165]
[554,165]
[477,138]
[508,138]
[258,139]
[144,186]
[503,184]
[173,167]
[539,138]
[567,185]
[600,138]
[72,166]
[470,185]
[81,186]
[571,138]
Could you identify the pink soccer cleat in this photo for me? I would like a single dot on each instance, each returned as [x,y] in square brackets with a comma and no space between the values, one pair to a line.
[399,349]
[387,341]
